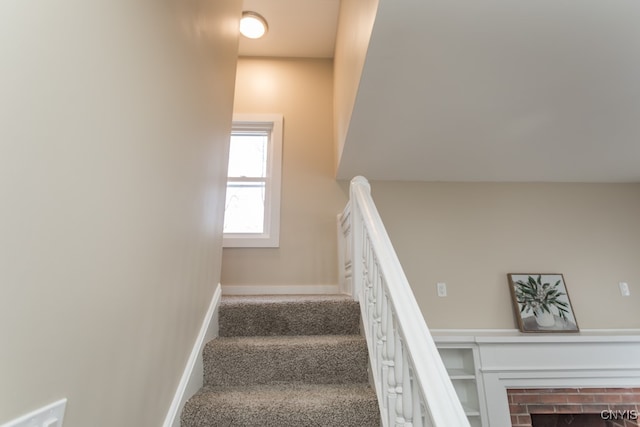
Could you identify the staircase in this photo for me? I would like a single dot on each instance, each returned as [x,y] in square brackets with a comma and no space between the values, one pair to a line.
[285,361]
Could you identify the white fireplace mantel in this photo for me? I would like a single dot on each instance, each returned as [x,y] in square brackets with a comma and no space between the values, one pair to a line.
[511,359]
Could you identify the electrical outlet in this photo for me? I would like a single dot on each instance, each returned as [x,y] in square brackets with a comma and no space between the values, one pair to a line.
[442,289]
[624,289]
[47,416]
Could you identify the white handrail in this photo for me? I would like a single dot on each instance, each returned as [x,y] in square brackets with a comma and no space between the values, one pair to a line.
[412,384]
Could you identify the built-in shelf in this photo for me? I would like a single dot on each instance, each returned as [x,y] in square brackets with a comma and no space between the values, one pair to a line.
[460,375]
[475,420]
[461,363]
[470,412]
[484,364]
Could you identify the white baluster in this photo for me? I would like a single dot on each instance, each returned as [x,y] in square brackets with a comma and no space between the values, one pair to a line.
[370,320]
[370,323]
[369,258]
[417,404]
[384,323]
[391,372]
[407,391]
[364,282]
[365,269]
[375,323]
[379,292]
[378,328]
[356,247]
[399,373]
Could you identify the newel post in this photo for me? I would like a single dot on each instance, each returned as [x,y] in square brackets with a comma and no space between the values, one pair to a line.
[359,187]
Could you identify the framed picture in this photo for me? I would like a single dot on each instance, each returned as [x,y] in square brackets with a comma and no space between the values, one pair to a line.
[541,303]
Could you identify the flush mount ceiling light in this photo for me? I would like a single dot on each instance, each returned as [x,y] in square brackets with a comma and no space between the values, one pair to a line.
[253,25]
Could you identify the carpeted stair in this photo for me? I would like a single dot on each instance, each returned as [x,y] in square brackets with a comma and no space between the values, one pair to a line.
[285,361]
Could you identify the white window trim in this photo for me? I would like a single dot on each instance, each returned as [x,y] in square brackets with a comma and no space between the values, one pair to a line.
[271,236]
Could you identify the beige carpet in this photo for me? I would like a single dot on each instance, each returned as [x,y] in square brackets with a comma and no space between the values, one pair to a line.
[285,361]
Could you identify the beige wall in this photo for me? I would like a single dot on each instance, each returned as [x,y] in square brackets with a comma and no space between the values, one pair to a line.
[114,121]
[352,42]
[471,235]
[300,89]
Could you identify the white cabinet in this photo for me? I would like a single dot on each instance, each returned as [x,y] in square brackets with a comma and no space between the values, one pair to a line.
[461,361]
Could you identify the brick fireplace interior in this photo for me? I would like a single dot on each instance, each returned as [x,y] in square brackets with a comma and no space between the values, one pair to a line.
[574,407]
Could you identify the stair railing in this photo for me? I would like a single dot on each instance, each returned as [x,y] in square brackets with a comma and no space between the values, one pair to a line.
[412,384]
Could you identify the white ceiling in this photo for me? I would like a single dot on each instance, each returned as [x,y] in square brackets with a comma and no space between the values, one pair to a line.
[297,28]
[499,90]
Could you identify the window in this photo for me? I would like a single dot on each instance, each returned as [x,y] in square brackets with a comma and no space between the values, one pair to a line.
[252,208]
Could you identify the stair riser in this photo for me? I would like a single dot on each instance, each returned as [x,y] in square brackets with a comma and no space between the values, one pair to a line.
[323,318]
[331,417]
[282,411]
[229,365]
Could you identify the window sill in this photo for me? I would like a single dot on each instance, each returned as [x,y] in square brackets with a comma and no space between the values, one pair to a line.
[250,241]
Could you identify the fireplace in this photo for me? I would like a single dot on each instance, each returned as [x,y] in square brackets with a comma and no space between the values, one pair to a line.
[575,407]
[563,420]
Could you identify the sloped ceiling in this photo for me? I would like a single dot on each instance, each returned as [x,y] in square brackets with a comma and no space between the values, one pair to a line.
[499,90]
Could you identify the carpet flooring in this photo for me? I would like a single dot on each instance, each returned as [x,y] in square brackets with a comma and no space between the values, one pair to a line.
[284,361]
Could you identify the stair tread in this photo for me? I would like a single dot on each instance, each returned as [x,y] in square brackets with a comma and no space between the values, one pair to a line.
[288,392]
[287,340]
[281,299]
[285,404]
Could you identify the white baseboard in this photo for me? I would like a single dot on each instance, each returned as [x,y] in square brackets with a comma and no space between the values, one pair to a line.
[192,377]
[280,289]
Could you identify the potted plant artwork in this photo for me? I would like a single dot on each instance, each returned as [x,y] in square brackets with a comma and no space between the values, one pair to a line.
[541,303]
